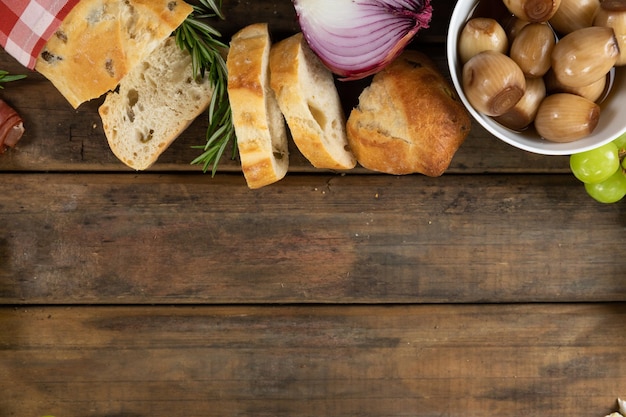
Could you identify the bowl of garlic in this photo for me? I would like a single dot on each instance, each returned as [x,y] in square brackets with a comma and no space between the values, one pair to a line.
[546,76]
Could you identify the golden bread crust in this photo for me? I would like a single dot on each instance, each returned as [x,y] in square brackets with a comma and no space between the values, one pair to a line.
[408,120]
[259,125]
[100,41]
[309,100]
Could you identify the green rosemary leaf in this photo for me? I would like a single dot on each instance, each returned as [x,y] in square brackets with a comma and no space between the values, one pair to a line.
[212,6]
[203,27]
[203,43]
[5,77]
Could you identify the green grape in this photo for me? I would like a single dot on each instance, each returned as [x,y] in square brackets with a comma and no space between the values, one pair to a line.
[595,165]
[620,142]
[611,190]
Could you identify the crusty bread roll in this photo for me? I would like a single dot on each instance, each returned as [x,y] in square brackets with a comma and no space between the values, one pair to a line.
[259,124]
[308,99]
[408,119]
[100,41]
[154,104]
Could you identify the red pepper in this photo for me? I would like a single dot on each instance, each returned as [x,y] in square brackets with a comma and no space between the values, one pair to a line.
[11,127]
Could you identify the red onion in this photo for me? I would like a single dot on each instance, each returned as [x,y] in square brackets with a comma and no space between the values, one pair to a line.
[357,38]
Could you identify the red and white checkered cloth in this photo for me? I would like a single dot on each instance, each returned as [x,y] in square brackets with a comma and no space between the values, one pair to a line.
[26,26]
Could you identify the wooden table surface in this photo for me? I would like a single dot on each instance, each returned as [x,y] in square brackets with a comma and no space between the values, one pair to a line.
[496,289]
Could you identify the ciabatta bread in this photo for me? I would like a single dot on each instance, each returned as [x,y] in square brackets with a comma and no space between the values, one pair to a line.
[258,121]
[408,120]
[309,100]
[155,102]
[100,41]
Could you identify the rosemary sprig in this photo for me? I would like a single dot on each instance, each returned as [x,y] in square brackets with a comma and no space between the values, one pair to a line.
[5,77]
[201,40]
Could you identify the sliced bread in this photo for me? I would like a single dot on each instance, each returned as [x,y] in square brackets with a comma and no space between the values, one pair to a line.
[309,100]
[154,104]
[100,41]
[258,121]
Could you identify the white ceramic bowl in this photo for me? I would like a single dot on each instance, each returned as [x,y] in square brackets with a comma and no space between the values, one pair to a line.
[612,114]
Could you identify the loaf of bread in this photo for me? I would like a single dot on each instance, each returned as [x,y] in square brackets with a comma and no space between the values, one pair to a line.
[408,120]
[309,100]
[100,41]
[258,121]
[154,104]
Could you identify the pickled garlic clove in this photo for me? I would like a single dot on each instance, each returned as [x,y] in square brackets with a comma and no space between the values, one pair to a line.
[513,28]
[524,112]
[573,15]
[594,91]
[584,56]
[532,49]
[617,21]
[533,10]
[565,117]
[481,34]
[493,83]
[615,5]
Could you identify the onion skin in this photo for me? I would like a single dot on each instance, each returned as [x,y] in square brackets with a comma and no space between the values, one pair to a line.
[481,34]
[573,15]
[357,38]
[493,83]
[532,49]
[11,127]
[584,56]
[617,21]
[565,117]
[533,10]
[524,112]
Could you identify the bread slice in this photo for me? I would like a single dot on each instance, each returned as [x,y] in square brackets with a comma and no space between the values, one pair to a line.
[408,120]
[309,100]
[154,104]
[258,121]
[100,41]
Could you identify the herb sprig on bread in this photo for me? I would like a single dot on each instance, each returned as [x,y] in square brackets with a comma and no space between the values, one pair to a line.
[202,42]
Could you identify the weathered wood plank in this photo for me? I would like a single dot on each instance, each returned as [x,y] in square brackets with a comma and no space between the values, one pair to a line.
[466,361]
[87,241]
[104,238]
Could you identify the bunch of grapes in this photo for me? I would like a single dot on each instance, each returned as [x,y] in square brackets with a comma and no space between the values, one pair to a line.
[603,170]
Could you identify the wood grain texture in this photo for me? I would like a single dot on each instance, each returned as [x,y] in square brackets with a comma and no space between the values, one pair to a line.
[458,361]
[103,238]
[497,289]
